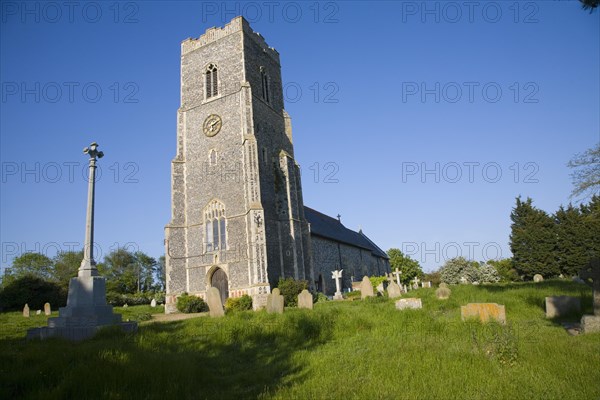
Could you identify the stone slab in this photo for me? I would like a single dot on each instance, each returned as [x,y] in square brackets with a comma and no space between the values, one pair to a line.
[409,303]
[366,288]
[538,278]
[590,324]
[394,290]
[443,292]
[47,309]
[275,302]
[215,306]
[305,300]
[560,306]
[484,312]
[26,311]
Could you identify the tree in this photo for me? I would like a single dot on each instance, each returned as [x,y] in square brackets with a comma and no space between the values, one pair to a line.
[586,172]
[589,4]
[145,266]
[121,272]
[30,264]
[505,269]
[488,274]
[459,270]
[591,224]
[570,240]
[533,241]
[409,267]
[66,264]
[161,274]
[34,291]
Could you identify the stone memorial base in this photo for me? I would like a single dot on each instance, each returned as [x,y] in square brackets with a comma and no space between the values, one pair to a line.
[590,324]
[338,296]
[86,312]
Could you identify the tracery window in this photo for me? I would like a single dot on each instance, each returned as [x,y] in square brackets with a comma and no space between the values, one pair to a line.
[215,227]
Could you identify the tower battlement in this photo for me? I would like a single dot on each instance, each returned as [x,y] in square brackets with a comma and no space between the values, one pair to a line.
[215,33]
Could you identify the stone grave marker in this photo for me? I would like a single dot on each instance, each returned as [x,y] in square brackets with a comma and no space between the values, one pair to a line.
[26,311]
[47,309]
[560,306]
[443,292]
[443,285]
[38,312]
[398,273]
[213,298]
[538,278]
[410,303]
[153,303]
[484,312]
[337,275]
[366,288]
[591,323]
[416,283]
[305,300]
[275,302]
[394,290]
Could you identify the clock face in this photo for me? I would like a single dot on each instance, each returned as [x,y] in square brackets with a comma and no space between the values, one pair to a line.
[212,125]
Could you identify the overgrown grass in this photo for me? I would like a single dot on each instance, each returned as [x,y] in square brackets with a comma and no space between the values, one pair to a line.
[339,350]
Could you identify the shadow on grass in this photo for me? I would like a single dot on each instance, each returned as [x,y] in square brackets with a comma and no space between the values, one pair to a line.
[235,357]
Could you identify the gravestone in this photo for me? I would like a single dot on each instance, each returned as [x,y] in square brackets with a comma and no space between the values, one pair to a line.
[410,303]
[443,285]
[443,292]
[125,305]
[398,273]
[366,288]
[484,312]
[416,282]
[538,278]
[153,303]
[560,306]
[26,311]
[381,288]
[591,323]
[47,309]
[215,306]
[394,290]
[305,300]
[405,289]
[275,302]
[337,275]
[38,312]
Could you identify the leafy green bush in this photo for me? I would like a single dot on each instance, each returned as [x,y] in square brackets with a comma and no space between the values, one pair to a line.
[31,290]
[133,299]
[353,295]
[455,269]
[377,280]
[488,274]
[142,317]
[320,298]
[290,289]
[505,270]
[238,303]
[191,304]
[434,277]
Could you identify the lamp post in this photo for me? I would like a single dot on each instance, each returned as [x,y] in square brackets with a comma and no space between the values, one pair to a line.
[88,265]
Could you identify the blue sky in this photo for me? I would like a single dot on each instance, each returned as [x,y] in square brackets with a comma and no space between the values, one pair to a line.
[424,120]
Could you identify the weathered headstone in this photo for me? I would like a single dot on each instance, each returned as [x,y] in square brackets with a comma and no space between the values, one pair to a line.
[153,303]
[398,273]
[366,288]
[337,275]
[410,303]
[538,278]
[443,292]
[560,306]
[416,282]
[405,289]
[215,306]
[125,305]
[394,290]
[484,312]
[305,300]
[38,312]
[26,311]
[591,323]
[47,309]
[443,285]
[275,302]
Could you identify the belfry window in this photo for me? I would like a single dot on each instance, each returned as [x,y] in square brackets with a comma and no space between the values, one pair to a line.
[211,81]
[265,84]
[215,229]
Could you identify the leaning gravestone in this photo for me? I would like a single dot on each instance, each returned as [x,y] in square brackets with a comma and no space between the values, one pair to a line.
[305,300]
[215,306]
[153,303]
[538,278]
[484,312]
[443,292]
[560,306]
[410,303]
[366,288]
[275,302]
[47,309]
[26,311]
[394,290]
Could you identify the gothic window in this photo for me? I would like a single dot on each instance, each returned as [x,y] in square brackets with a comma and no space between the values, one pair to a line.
[215,229]
[213,157]
[265,84]
[211,81]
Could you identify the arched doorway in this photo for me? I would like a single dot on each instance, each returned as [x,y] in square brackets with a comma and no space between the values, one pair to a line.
[219,280]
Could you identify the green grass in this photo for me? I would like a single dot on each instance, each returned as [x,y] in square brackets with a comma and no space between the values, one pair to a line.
[340,350]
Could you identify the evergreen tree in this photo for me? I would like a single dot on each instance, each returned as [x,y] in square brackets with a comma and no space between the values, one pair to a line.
[533,241]
[591,226]
[571,238]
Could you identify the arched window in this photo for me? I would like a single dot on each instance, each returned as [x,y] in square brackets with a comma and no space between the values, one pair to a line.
[215,229]
[265,84]
[211,81]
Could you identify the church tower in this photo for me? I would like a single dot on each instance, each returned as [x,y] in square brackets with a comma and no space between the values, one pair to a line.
[237,214]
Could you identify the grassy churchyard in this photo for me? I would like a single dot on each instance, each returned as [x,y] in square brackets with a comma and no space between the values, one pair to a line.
[363,349]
